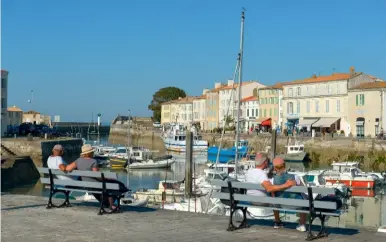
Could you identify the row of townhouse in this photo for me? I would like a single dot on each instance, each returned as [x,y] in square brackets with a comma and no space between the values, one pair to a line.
[346,102]
[336,102]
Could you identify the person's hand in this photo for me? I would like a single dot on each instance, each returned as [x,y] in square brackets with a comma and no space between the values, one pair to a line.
[290,183]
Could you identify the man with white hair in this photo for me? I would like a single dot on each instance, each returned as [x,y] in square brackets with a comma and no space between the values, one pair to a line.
[55,161]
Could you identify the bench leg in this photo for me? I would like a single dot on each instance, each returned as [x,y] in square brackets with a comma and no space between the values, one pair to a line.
[244,223]
[322,232]
[67,202]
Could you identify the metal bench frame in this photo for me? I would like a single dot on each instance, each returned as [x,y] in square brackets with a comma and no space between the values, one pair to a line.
[312,211]
[106,189]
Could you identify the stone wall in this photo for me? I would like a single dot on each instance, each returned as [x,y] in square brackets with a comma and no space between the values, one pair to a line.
[39,150]
[18,171]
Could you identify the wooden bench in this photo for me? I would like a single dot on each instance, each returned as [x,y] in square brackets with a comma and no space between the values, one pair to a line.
[236,193]
[102,187]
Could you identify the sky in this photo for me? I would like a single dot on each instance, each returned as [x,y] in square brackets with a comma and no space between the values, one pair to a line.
[90,56]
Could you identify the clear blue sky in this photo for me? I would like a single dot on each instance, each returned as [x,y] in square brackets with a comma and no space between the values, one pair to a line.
[83,56]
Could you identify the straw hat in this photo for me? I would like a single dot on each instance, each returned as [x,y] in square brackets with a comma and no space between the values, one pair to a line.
[87,148]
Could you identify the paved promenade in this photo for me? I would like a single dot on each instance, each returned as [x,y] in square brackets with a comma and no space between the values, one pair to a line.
[25,218]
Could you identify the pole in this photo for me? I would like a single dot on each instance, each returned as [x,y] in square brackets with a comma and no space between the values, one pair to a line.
[128,149]
[188,164]
[273,144]
[239,90]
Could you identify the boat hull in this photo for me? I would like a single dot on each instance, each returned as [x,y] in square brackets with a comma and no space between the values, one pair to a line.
[354,183]
[118,163]
[155,165]
[180,146]
[226,154]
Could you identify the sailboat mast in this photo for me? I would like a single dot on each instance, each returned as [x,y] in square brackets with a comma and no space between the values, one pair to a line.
[239,90]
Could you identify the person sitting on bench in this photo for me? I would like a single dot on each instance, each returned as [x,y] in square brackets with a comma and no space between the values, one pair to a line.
[259,176]
[87,163]
[281,178]
[55,161]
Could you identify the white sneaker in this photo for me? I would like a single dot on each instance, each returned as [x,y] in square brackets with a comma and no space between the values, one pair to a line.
[301,228]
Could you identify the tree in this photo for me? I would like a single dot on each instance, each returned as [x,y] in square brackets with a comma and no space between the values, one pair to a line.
[164,95]
[228,120]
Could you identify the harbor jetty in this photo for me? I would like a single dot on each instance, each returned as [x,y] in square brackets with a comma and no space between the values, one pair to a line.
[27,217]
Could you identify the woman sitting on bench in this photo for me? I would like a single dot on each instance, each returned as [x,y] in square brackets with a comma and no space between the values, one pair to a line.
[86,162]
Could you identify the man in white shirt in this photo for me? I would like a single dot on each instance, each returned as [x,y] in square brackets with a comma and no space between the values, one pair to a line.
[259,176]
[55,161]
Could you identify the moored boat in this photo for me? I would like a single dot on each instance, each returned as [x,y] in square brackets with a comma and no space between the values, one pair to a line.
[175,139]
[226,154]
[158,162]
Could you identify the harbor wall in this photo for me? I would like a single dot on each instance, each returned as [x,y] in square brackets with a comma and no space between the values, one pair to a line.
[18,171]
[39,150]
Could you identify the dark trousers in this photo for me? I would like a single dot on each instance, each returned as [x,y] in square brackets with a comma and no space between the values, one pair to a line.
[122,189]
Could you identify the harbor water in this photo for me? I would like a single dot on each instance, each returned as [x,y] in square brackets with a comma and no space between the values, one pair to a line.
[365,211]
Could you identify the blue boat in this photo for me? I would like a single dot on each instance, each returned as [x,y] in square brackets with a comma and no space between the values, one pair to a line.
[227,154]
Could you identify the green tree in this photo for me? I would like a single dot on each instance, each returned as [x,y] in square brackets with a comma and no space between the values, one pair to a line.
[228,120]
[164,95]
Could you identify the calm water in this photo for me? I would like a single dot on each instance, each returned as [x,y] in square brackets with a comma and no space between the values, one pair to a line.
[365,211]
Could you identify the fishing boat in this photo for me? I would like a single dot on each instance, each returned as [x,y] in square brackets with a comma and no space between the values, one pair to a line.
[175,139]
[350,174]
[295,153]
[172,188]
[158,162]
[226,154]
[103,152]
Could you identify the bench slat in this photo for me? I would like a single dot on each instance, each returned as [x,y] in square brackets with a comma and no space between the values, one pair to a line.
[275,200]
[94,174]
[85,184]
[337,214]
[299,189]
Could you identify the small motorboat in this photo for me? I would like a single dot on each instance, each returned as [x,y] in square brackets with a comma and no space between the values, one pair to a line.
[227,154]
[158,162]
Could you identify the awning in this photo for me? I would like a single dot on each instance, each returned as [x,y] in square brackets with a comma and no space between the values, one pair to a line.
[325,122]
[264,121]
[307,122]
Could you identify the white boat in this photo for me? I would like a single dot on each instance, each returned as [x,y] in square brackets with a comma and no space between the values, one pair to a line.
[136,153]
[175,139]
[159,162]
[174,192]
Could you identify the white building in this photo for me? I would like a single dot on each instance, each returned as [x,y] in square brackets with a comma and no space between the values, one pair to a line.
[228,98]
[4,101]
[250,111]
[199,110]
[320,102]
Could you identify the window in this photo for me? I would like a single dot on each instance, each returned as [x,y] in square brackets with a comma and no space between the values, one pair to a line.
[270,112]
[327,106]
[253,112]
[290,92]
[290,108]
[298,107]
[360,99]
[265,112]
[308,106]
[248,112]
[257,112]
[317,106]
[299,91]
[338,106]
[3,83]
[276,112]
[277,100]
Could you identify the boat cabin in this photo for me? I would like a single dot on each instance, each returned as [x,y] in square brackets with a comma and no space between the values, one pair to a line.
[242,143]
[295,149]
[211,174]
[344,166]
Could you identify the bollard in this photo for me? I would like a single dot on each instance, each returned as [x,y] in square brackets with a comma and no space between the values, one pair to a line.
[45,136]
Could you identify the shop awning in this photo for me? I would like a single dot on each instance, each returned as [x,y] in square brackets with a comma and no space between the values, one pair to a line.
[307,122]
[264,121]
[325,122]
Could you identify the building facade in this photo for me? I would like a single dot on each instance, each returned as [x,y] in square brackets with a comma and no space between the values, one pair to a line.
[250,112]
[14,116]
[4,101]
[36,118]
[211,106]
[228,98]
[199,110]
[320,102]
[366,105]
[271,111]
[179,110]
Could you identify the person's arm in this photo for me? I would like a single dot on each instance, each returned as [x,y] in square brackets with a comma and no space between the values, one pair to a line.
[71,166]
[94,166]
[275,188]
[62,167]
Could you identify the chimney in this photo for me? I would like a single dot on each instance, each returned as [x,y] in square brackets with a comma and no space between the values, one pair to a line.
[217,85]
[230,83]
[205,91]
[314,75]
[352,70]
